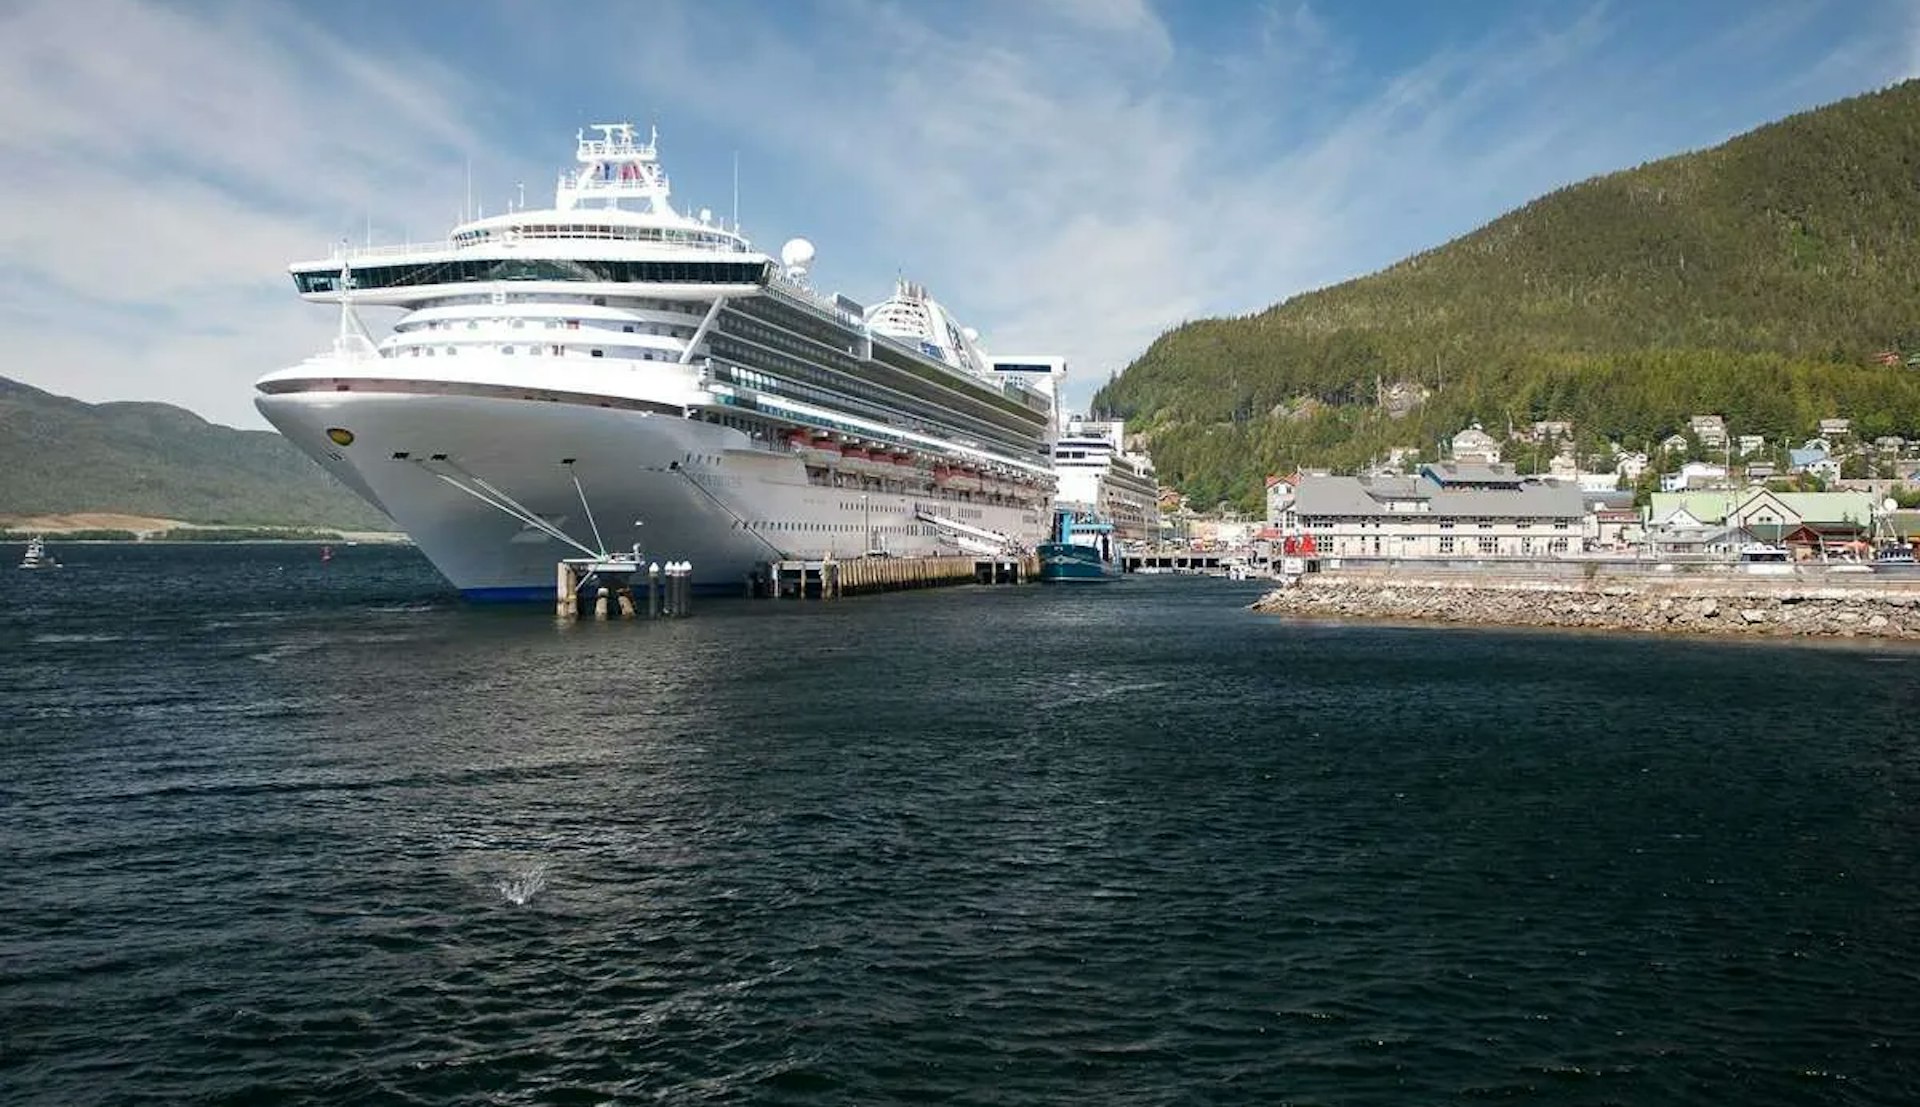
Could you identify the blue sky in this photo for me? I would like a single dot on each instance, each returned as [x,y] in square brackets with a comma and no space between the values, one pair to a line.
[1070,176]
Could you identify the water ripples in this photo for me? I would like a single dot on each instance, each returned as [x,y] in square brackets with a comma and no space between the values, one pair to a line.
[1132,845]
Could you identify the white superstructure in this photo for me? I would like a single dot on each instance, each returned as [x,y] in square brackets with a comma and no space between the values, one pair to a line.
[37,556]
[611,373]
[1097,471]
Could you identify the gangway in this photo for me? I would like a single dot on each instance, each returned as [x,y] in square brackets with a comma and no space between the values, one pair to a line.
[965,535]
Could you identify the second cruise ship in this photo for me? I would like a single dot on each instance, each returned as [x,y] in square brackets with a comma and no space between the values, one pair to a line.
[1099,474]
[611,375]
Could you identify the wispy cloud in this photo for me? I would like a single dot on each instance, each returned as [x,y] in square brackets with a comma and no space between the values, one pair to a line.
[1084,199]
[166,163]
[1072,176]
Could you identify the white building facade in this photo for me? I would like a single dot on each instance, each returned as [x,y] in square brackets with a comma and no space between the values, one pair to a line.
[1447,510]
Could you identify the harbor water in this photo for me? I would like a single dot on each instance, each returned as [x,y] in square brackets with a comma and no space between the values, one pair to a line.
[285,831]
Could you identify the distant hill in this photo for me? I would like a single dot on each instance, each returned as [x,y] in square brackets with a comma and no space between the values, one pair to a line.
[59,455]
[1765,279]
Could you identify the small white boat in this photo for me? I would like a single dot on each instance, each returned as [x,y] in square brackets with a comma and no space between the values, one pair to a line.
[37,556]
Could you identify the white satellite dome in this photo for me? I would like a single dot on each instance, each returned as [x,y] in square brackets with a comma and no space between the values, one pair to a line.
[972,334]
[798,252]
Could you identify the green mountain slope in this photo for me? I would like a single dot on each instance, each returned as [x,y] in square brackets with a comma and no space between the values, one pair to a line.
[1761,279]
[59,455]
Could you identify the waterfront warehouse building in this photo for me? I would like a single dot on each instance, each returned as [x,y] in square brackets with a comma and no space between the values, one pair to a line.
[1456,509]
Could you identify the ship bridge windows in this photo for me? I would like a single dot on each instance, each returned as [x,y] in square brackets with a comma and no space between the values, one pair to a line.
[602,231]
[535,269]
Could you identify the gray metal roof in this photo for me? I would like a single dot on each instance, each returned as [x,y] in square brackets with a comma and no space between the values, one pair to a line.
[1528,501]
[1335,496]
[1470,472]
[1350,497]
[1394,486]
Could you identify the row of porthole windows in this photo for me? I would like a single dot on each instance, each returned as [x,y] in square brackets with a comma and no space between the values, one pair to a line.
[678,307]
[539,350]
[1444,524]
[663,329]
[832,528]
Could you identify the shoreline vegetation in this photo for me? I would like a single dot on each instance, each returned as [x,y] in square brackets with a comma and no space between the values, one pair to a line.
[1767,280]
[1753,607]
[201,534]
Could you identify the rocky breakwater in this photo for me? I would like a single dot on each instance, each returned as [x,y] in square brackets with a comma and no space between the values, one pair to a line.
[1780,608]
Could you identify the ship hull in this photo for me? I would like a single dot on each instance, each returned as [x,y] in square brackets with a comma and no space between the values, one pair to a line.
[678,489]
[1067,563]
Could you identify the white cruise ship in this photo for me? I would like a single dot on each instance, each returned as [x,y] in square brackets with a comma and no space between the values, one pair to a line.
[1098,472]
[611,373]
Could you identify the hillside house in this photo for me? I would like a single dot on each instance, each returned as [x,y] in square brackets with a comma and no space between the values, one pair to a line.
[1475,445]
[1694,474]
[1279,497]
[1711,430]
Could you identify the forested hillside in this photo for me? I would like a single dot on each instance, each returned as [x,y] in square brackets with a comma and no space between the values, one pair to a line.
[59,455]
[1766,279]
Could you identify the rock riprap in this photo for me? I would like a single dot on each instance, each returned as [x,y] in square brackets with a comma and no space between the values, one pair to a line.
[1775,608]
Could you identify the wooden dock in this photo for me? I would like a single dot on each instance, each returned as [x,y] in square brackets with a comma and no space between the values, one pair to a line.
[827,579]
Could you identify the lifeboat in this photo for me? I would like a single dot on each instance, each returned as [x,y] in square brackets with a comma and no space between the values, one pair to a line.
[854,459]
[821,450]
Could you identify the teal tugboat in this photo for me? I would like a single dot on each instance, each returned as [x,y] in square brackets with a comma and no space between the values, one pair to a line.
[1080,548]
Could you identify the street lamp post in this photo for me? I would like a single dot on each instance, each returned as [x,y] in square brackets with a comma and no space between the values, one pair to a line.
[866,518]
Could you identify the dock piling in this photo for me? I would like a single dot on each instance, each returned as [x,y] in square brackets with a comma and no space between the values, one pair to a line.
[610,584]
[831,578]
